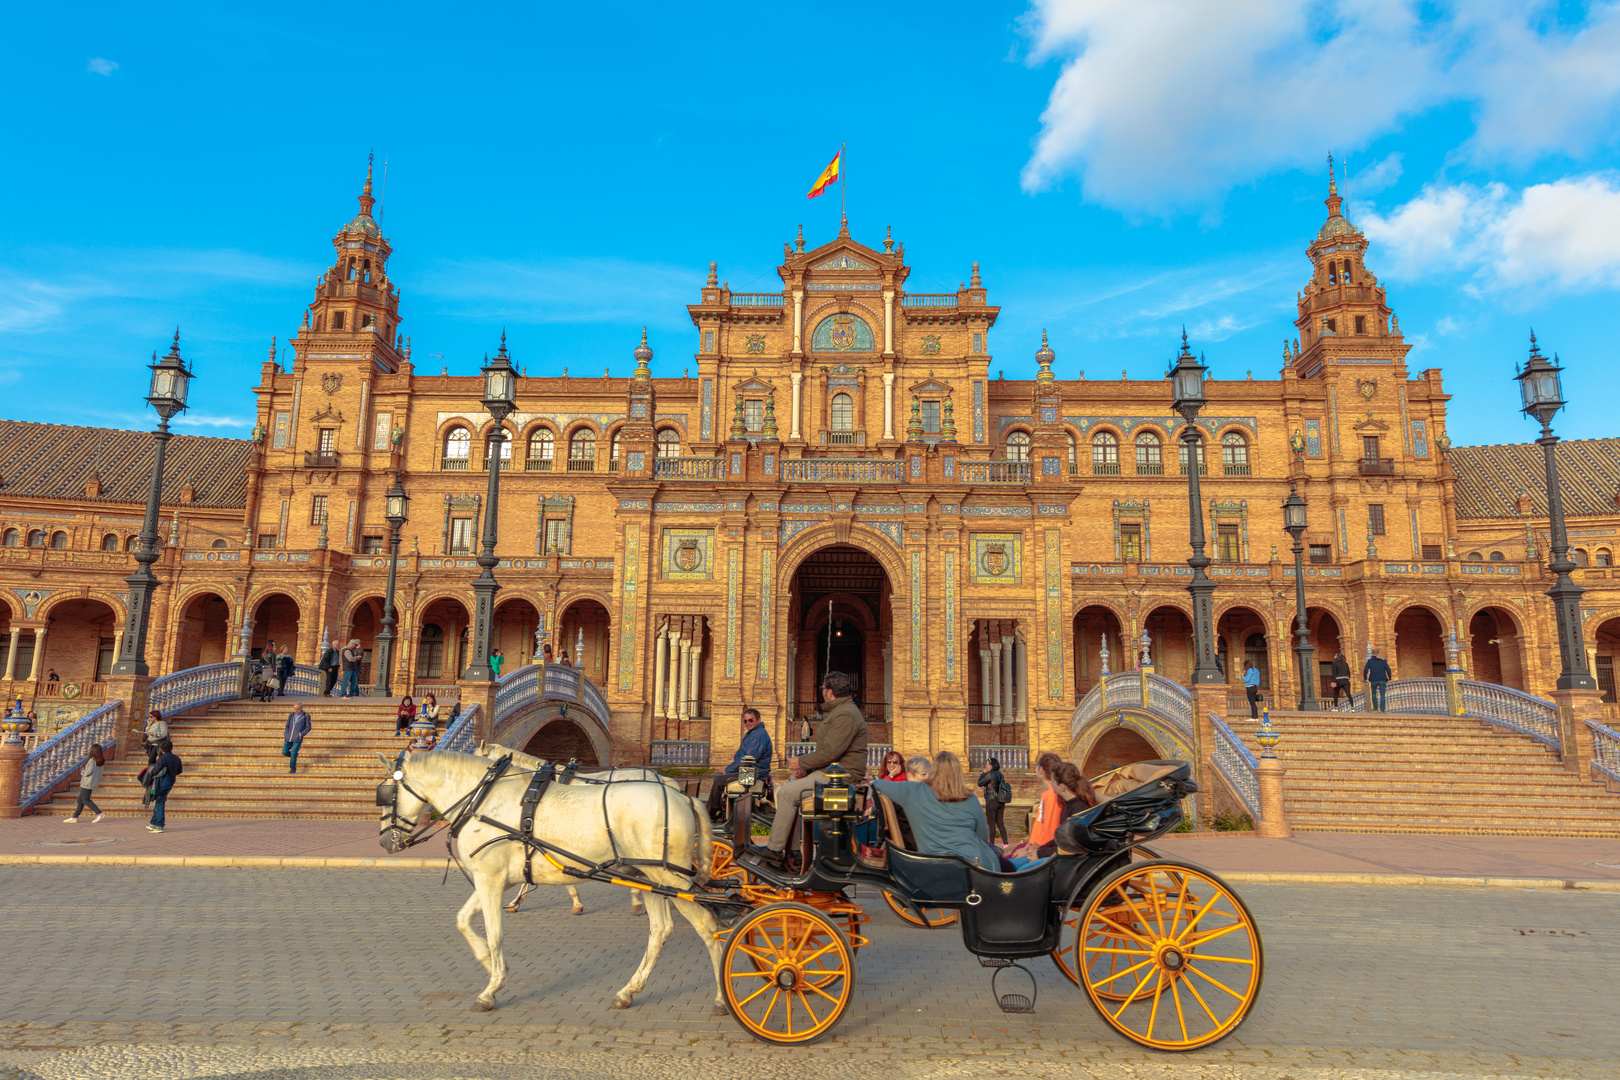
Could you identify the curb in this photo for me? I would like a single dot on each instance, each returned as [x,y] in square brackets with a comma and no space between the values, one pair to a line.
[1254,877]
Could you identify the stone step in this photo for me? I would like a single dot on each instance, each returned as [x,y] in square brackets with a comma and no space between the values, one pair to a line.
[1490,786]
[1434,805]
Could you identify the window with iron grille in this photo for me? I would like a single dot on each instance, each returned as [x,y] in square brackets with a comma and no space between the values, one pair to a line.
[754,414]
[1130,542]
[461,536]
[1228,544]
[1375,519]
[930,417]
[371,545]
[267,540]
[317,510]
[1321,553]
[556,536]
[1432,553]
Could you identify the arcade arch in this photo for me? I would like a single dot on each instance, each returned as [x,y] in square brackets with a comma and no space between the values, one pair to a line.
[1419,649]
[1495,648]
[586,620]
[515,622]
[1093,624]
[78,643]
[441,640]
[204,633]
[838,619]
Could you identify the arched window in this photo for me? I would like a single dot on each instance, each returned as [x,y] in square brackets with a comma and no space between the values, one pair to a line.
[13,538]
[133,543]
[582,451]
[1105,453]
[109,542]
[217,543]
[613,451]
[36,538]
[542,451]
[1181,456]
[1580,557]
[1234,454]
[59,542]
[1497,556]
[506,450]
[457,449]
[1018,446]
[843,412]
[1602,558]
[1149,455]
[1074,455]
[669,443]
[1474,556]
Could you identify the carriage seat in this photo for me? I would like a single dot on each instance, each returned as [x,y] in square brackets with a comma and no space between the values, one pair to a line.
[1148,802]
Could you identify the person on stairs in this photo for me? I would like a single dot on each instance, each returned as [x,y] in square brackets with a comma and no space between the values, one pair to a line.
[157,730]
[292,739]
[841,738]
[351,658]
[89,777]
[328,665]
[1376,672]
[1251,687]
[1341,680]
[405,717]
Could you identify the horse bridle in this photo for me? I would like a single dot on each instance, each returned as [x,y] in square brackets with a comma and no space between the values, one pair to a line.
[403,833]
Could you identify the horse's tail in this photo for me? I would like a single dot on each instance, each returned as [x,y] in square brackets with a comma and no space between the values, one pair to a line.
[705,843]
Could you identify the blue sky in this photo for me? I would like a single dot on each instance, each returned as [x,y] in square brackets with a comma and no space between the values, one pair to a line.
[1118,170]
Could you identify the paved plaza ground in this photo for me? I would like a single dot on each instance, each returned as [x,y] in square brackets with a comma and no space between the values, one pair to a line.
[136,971]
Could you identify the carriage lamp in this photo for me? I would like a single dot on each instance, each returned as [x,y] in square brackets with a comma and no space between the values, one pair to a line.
[833,797]
[500,384]
[397,502]
[747,772]
[1267,736]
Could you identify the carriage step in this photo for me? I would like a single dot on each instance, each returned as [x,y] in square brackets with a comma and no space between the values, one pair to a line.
[1010,1003]
[1015,1003]
[995,962]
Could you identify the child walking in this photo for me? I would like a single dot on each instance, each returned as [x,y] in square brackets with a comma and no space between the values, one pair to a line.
[89,779]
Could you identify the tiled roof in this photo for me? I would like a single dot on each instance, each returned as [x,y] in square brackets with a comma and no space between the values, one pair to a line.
[1489,478]
[54,461]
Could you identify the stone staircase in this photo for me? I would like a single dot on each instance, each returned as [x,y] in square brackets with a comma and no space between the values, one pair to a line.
[1400,773]
[234,767]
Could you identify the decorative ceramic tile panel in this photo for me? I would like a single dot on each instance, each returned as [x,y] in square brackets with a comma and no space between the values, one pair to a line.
[687,508]
[635,460]
[916,466]
[1054,614]
[1333,418]
[733,582]
[1313,438]
[978,412]
[950,466]
[633,504]
[1051,466]
[996,511]
[891,529]
[688,555]
[842,333]
[844,261]
[283,430]
[806,508]
[769,464]
[916,615]
[767,570]
[1420,439]
[948,564]
[707,423]
[630,606]
[997,558]
[794,528]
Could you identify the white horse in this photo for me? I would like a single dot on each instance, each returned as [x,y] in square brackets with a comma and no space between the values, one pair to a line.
[648,821]
[532,763]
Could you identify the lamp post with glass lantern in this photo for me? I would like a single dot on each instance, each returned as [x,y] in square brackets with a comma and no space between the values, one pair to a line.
[397,501]
[1305,653]
[167,396]
[500,398]
[1187,397]
[1543,397]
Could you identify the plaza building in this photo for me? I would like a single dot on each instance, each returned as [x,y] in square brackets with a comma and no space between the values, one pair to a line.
[846,480]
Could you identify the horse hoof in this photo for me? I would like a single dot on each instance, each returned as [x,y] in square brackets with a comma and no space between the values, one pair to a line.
[623,1002]
[579,910]
[718,1010]
[480,1005]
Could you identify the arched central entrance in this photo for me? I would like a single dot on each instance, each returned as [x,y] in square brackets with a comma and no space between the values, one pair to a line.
[839,621]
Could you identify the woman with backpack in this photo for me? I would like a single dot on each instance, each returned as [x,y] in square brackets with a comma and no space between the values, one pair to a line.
[997,794]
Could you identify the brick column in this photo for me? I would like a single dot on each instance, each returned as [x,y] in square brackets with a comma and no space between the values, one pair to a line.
[1273,818]
[11,766]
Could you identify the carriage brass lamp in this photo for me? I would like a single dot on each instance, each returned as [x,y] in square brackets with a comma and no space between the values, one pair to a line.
[1543,397]
[1187,397]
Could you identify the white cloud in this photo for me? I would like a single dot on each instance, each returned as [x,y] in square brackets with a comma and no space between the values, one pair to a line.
[1381,176]
[102,66]
[1564,235]
[1163,104]
[189,419]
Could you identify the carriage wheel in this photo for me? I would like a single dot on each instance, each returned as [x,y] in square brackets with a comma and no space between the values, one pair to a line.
[1171,958]
[933,918]
[788,974]
[724,870]
[1071,928]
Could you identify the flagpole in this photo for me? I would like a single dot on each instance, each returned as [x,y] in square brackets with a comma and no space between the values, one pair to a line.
[843,185]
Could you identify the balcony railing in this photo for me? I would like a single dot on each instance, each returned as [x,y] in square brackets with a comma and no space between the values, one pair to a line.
[506,463]
[928,300]
[993,472]
[1150,468]
[315,459]
[756,299]
[841,471]
[1236,468]
[581,464]
[843,438]
[1379,466]
[1105,468]
[537,465]
[1203,469]
[689,468]
[453,464]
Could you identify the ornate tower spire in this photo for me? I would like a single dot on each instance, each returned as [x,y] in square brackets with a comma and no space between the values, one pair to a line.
[714,277]
[644,355]
[356,307]
[1044,357]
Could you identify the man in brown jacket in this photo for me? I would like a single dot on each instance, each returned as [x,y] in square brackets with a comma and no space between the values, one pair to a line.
[841,738]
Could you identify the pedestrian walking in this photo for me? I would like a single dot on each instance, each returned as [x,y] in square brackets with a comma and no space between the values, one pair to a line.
[157,730]
[159,778]
[495,662]
[997,794]
[292,739]
[1376,672]
[284,670]
[406,714]
[1251,687]
[1341,680]
[351,657]
[270,657]
[328,665]
[89,778]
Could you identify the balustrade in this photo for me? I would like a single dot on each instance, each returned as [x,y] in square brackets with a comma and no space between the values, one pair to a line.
[1011,757]
[65,753]
[195,687]
[928,300]
[459,736]
[1606,749]
[841,471]
[1238,765]
[993,472]
[678,752]
[689,468]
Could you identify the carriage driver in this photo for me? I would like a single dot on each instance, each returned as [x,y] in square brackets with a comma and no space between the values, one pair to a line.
[756,743]
[841,738]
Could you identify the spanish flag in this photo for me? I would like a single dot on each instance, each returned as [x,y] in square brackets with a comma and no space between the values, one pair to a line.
[828,175]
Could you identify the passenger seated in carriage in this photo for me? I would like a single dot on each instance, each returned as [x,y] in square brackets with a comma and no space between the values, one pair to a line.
[756,743]
[945,818]
[1077,796]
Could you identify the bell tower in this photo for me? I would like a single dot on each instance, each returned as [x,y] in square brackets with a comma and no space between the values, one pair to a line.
[356,308]
[1343,315]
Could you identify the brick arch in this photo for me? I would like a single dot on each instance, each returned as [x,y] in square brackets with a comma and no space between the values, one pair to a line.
[575,426]
[1599,617]
[64,596]
[813,317]
[427,600]
[817,537]
[353,605]
[1118,609]
[1267,620]
[458,421]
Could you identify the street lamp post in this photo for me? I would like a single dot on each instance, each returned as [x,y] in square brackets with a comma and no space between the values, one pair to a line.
[397,501]
[1543,397]
[167,395]
[1305,652]
[500,398]
[1187,389]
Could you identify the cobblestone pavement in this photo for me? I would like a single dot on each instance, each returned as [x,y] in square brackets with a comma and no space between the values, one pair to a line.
[312,974]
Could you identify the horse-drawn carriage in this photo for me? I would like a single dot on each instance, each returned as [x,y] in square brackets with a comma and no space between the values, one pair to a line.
[1167,952]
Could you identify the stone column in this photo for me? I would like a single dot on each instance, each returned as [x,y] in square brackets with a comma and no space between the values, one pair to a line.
[798,327]
[11,768]
[660,669]
[995,682]
[686,670]
[11,652]
[798,378]
[697,668]
[1021,668]
[39,653]
[888,404]
[888,686]
[888,321]
[985,697]
[792,673]
[1008,712]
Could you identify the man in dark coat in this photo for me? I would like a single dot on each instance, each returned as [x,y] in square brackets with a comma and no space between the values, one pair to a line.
[1341,680]
[1377,674]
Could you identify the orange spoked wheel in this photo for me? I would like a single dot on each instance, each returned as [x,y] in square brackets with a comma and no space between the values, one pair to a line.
[788,974]
[725,872]
[933,918]
[1170,955]
[1069,934]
